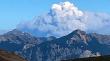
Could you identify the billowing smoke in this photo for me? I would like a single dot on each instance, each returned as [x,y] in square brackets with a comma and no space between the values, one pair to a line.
[65,17]
[88,53]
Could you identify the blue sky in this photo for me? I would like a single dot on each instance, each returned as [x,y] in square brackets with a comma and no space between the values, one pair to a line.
[12,12]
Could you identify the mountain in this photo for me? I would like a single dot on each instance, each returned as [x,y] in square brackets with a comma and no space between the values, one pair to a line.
[77,44]
[7,56]
[17,39]
[21,42]
[99,58]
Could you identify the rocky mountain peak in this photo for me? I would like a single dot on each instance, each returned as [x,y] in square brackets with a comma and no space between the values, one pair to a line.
[18,36]
[17,32]
[79,35]
[77,32]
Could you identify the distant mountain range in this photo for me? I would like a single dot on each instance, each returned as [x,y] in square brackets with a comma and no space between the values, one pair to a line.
[77,44]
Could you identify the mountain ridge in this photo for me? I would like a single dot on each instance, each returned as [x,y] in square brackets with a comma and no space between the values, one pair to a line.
[77,44]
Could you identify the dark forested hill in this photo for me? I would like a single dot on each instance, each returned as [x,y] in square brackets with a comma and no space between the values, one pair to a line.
[99,58]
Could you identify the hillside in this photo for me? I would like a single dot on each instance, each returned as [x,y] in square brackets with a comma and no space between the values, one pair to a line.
[7,56]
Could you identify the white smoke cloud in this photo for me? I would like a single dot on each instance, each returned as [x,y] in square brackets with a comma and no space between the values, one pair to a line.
[66,9]
[64,18]
[88,53]
[97,22]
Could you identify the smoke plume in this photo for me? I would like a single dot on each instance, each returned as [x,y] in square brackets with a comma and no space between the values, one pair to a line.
[65,17]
